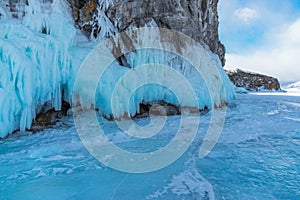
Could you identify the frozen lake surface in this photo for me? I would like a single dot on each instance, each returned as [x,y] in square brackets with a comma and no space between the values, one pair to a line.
[256,157]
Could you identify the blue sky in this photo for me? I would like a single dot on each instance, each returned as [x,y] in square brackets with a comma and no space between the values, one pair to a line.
[262,36]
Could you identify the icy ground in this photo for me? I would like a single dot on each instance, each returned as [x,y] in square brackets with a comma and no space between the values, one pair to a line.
[257,157]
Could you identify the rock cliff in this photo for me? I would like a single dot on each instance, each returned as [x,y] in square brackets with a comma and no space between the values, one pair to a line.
[195,18]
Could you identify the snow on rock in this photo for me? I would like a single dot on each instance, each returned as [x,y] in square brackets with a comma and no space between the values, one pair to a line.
[253,81]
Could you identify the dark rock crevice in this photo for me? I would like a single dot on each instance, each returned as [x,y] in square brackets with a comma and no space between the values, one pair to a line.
[159,108]
[48,117]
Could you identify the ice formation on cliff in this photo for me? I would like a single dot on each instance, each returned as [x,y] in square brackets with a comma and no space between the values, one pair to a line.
[40,56]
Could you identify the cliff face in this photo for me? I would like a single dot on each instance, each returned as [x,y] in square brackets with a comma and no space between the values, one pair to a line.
[195,18]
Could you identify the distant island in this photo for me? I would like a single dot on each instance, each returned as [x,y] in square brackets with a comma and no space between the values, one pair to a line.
[253,81]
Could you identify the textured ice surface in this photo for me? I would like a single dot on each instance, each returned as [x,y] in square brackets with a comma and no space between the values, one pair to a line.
[257,156]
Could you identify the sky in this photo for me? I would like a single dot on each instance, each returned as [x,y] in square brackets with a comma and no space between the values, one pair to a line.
[262,36]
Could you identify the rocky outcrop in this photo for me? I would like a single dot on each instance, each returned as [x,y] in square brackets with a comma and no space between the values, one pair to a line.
[253,81]
[195,18]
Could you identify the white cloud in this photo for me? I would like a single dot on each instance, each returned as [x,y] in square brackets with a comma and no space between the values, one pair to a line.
[279,58]
[293,33]
[246,14]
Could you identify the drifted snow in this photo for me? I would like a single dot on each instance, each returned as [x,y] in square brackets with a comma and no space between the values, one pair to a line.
[41,53]
[293,88]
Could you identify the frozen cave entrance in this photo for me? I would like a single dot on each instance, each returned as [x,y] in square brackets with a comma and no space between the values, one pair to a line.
[163,108]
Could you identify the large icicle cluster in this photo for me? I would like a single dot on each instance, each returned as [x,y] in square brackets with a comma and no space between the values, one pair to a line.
[40,57]
[34,63]
[207,96]
[120,93]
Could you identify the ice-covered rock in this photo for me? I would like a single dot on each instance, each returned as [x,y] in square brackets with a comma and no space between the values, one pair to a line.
[35,63]
[241,90]
[40,57]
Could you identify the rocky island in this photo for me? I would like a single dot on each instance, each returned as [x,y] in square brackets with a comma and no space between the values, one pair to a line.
[253,81]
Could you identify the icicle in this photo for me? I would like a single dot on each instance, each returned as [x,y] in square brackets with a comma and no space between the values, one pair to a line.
[34,63]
